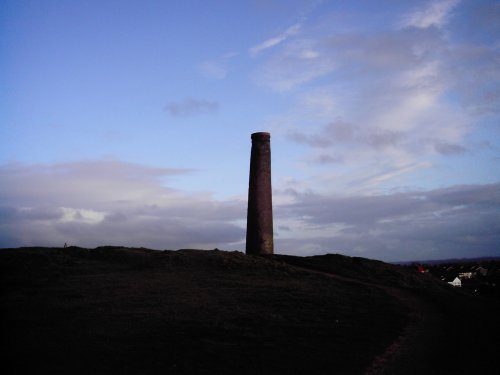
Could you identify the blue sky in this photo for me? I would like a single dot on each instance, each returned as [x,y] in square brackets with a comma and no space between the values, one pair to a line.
[129,122]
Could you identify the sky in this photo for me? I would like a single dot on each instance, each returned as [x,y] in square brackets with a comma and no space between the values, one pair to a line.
[128,123]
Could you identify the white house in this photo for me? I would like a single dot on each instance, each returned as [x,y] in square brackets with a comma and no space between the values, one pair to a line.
[456,283]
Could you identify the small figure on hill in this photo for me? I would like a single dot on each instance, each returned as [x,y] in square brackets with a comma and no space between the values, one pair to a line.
[65,245]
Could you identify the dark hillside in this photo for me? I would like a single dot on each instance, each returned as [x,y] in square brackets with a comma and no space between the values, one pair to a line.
[463,328]
[137,311]
[362,269]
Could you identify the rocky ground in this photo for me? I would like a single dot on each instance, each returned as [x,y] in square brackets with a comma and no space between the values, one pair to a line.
[137,311]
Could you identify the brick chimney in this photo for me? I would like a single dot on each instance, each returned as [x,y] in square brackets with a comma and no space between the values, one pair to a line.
[260,204]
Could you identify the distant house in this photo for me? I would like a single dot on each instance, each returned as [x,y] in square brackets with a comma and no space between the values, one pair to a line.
[465,275]
[457,283]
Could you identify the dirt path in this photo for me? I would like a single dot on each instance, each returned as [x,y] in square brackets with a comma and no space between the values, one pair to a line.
[414,351]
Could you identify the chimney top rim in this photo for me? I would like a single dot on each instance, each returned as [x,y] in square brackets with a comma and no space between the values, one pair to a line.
[261,136]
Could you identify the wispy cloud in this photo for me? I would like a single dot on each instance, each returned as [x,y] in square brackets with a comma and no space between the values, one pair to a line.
[390,98]
[434,13]
[272,42]
[339,132]
[296,63]
[191,107]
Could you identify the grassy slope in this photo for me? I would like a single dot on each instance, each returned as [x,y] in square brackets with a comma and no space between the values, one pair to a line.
[458,332]
[131,311]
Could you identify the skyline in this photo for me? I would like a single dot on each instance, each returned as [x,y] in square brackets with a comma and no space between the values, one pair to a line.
[128,123]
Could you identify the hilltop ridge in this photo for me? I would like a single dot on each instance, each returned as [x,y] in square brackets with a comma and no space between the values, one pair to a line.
[127,310]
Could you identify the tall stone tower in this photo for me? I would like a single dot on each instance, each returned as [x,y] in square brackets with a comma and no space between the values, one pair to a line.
[260,203]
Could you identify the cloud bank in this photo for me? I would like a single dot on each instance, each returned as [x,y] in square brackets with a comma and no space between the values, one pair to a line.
[93,203]
[109,202]
[455,222]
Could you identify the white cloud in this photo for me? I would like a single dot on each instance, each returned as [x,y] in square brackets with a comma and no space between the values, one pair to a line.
[81,215]
[272,42]
[435,13]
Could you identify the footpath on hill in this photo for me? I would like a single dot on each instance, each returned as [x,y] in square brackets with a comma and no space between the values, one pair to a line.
[414,349]
[448,332]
